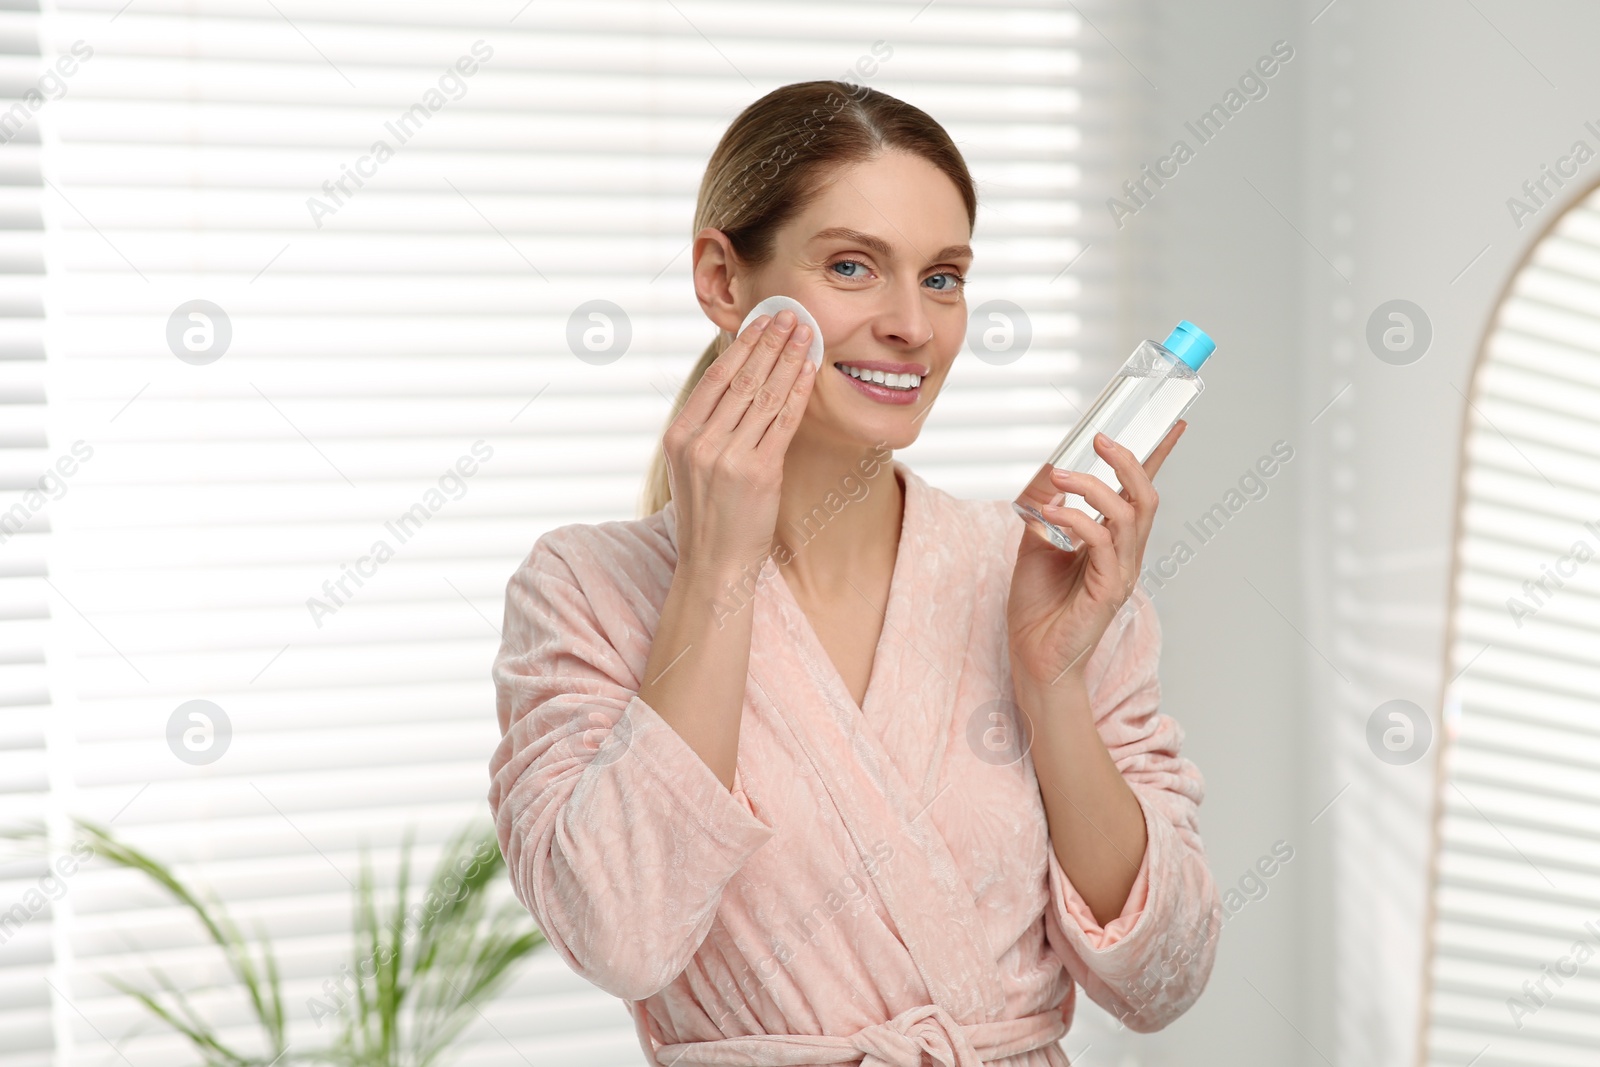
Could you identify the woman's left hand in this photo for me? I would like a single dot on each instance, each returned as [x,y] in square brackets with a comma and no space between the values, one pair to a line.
[1062,602]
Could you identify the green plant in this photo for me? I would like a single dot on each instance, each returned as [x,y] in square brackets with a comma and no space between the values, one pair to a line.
[418,970]
[259,979]
[422,999]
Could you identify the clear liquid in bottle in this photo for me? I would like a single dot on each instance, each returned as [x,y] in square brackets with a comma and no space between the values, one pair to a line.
[1141,403]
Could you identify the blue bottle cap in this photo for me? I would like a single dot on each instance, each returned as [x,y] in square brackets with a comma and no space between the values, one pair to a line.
[1189,343]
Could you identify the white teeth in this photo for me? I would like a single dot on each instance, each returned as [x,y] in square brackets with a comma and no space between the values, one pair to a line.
[891,381]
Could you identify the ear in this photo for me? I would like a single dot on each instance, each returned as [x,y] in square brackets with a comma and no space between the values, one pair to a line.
[719,279]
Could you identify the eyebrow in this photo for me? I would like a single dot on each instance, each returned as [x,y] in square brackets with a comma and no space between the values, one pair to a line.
[881,247]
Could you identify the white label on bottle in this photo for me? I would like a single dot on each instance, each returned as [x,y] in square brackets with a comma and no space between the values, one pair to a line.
[1142,434]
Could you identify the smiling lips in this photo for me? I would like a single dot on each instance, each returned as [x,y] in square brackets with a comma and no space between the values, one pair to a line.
[887,383]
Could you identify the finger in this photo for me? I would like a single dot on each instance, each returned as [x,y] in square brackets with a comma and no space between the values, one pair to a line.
[744,385]
[780,431]
[1136,488]
[1121,519]
[1135,482]
[769,400]
[1100,496]
[702,399]
[1156,458]
[1090,535]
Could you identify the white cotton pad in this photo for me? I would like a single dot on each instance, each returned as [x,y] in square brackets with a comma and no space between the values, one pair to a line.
[774,304]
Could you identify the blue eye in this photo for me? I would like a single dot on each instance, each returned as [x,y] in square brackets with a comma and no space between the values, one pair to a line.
[956,281]
[848,263]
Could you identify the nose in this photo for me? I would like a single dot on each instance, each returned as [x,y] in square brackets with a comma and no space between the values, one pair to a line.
[904,321]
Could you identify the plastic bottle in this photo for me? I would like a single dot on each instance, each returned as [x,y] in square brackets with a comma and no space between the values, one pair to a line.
[1141,403]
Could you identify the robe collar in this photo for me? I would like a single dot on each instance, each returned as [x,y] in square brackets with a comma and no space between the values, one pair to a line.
[885,791]
[881,764]
[923,532]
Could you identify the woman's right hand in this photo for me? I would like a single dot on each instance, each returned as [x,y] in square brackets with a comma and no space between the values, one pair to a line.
[725,448]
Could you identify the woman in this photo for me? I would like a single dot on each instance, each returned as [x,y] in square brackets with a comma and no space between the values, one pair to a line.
[815,763]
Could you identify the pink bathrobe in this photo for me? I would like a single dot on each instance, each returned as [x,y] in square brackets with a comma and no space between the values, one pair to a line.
[879,885]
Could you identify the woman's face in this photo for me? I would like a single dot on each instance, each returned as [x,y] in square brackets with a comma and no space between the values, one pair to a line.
[880,258]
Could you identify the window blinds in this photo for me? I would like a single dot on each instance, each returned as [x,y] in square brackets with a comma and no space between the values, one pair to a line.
[1515,968]
[286,346]
[28,895]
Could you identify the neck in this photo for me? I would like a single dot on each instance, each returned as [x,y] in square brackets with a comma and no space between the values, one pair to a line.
[839,513]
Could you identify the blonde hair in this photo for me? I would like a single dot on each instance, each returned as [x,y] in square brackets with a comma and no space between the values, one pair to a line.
[765,170]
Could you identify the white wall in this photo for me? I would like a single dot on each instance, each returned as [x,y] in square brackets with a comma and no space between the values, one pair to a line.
[1387,148]
[1233,672]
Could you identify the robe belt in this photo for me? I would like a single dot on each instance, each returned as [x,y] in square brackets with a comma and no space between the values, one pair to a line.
[903,1041]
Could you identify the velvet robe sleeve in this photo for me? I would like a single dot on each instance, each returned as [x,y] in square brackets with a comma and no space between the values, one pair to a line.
[1148,965]
[617,836]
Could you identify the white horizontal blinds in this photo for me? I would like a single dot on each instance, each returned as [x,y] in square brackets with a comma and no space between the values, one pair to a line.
[1518,895]
[28,895]
[375,337]
[1035,116]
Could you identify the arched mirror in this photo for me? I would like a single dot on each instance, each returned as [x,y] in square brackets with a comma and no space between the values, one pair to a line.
[1514,929]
